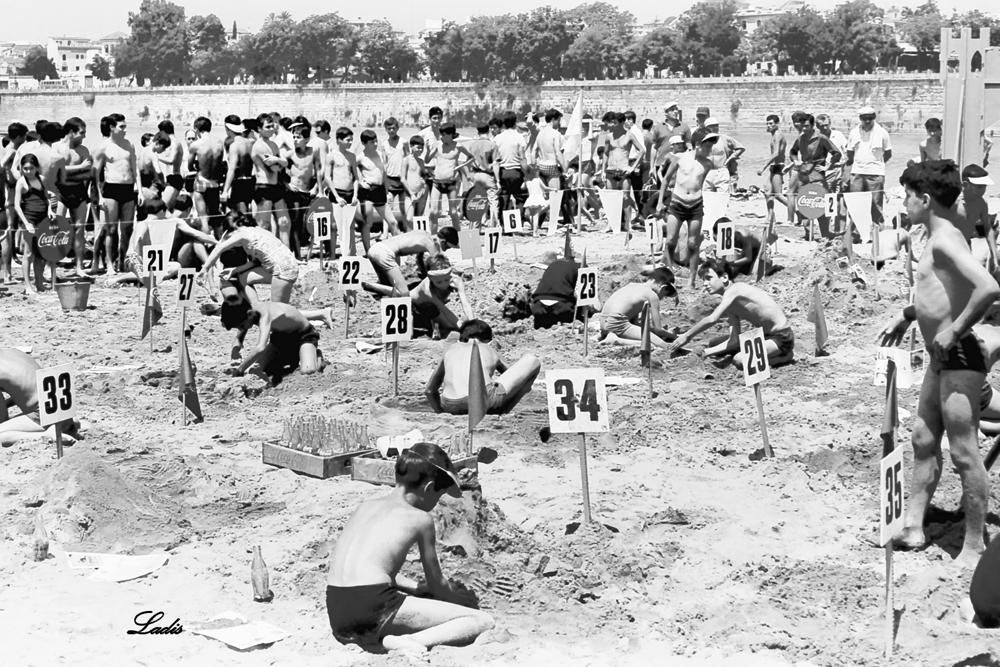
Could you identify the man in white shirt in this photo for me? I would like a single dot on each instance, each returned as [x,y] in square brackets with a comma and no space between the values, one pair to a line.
[868,149]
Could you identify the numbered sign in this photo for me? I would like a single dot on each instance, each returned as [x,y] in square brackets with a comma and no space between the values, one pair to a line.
[512,221]
[397,319]
[890,496]
[654,233]
[727,239]
[492,241]
[322,225]
[470,243]
[421,224]
[578,400]
[350,272]
[905,377]
[586,287]
[185,287]
[831,205]
[56,388]
[756,366]
[154,258]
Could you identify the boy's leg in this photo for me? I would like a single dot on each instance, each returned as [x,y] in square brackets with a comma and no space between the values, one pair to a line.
[670,240]
[264,214]
[284,223]
[517,380]
[308,358]
[693,245]
[960,414]
[926,442]
[423,623]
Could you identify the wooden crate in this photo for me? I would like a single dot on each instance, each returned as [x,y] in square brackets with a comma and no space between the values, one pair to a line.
[383,471]
[313,465]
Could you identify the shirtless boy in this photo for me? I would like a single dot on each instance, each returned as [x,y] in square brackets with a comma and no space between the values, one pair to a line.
[930,147]
[16,133]
[340,172]
[686,203]
[414,186]
[775,166]
[448,388]
[169,157]
[392,151]
[269,192]
[117,173]
[74,181]
[741,301]
[618,146]
[620,316]
[238,190]
[448,158]
[973,218]
[385,255]
[287,338]
[304,168]
[952,293]
[18,387]
[372,194]
[368,601]
[207,160]
[483,149]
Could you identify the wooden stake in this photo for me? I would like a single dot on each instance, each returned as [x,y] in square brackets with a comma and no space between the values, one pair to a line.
[180,356]
[59,444]
[586,330]
[395,369]
[152,295]
[584,479]
[763,426]
[889,613]
[347,314]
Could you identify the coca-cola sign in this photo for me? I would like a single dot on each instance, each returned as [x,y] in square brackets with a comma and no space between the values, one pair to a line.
[54,238]
[812,200]
[476,204]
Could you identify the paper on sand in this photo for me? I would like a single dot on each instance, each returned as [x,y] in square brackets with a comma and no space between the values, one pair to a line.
[115,567]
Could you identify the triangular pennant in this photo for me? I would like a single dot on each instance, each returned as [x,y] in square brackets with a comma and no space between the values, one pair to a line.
[344,215]
[818,317]
[567,247]
[574,130]
[890,416]
[555,210]
[859,207]
[759,269]
[152,312]
[716,204]
[584,262]
[848,241]
[187,386]
[477,388]
[645,347]
[611,201]
[161,232]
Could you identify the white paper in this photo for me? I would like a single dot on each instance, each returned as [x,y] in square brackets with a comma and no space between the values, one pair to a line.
[115,567]
[241,634]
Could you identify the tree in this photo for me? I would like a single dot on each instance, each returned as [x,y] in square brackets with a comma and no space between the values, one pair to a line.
[799,40]
[325,44]
[921,27]
[100,67]
[382,54]
[977,20]
[603,35]
[541,38]
[444,53]
[158,47]
[37,64]
[211,59]
[711,37]
[859,39]
[661,48]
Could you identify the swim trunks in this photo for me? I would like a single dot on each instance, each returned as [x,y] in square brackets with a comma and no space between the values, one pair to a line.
[785,340]
[496,396]
[346,195]
[615,323]
[383,261]
[549,171]
[73,195]
[445,187]
[287,344]
[123,193]
[966,355]
[242,190]
[375,194]
[176,181]
[360,614]
[615,177]
[394,184]
[685,212]
[189,183]
[271,192]
[777,169]
[202,184]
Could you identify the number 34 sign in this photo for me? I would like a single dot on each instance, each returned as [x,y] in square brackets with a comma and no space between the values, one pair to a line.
[578,400]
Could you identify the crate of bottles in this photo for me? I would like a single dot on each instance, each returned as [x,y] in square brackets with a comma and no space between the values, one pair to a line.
[319,446]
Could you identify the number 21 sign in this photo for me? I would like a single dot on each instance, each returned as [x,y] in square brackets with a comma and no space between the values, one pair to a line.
[578,400]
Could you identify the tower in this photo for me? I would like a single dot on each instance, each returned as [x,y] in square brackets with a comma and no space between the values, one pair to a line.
[970,72]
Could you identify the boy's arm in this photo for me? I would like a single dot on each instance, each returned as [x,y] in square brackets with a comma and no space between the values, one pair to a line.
[654,309]
[196,234]
[230,171]
[731,342]
[433,389]
[707,321]
[265,331]
[437,585]
[951,256]
[671,170]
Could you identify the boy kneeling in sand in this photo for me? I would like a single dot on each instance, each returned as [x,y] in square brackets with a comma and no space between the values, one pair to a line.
[620,316]
[367,600]
[741,301]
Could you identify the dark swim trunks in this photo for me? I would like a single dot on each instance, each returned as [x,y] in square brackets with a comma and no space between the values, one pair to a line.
[686,212]
[346,195]
[496,396]
[777,169]
[549,171]
[784,338]
[73,195]
[394,184]
[242,190]
[360,614]
[375,194]
[445,187]
[123,193]
[966,355]
[176,181]
[272,192]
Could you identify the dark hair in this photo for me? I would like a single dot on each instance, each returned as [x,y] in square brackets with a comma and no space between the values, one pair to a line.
[106,126]
[434,111]
[421,463]
[552,114]
[661,276]
[629,115]
[509,119]
[344,132]
[391,120]
[161,139]
[647,123]
[774,117]
[416,140]
[300,119]
[235,315]
[16,130]
[251,124]
[715,225]
[798,115]
[494,122]
[719,266]
[437,261]
[263,118]
[116,118]
[202,124]
[165,126]
[973,171]
[477,329]
[322,126]
[232,119]
[448,234]
[449,128]
[235,219]
[303,129]
[285,122]
[145,139]
[51,132]
[153,206]
[29,158]
[183,202]
[939,179]
[74,124]
[366,136]
[535,117]
[608,117]
[932,124]
[807,118]
[483,128]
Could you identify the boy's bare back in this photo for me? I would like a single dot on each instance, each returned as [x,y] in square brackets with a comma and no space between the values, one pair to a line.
[17,378]
[755,306]
[628,300]
[456,368]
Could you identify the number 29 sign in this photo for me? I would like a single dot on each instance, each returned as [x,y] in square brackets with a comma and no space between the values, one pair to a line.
[756,366]
[56,390]
[578,400]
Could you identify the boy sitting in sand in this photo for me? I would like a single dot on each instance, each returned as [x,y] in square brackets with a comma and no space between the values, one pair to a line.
[746,244]
[452,372]
[385,255]
[17,387]
[367,600]
[620,316]
[741,301]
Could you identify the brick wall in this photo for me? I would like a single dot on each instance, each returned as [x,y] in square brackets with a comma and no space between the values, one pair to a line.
[903,101]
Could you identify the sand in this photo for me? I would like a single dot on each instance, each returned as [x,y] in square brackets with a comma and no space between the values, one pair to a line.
[699,555]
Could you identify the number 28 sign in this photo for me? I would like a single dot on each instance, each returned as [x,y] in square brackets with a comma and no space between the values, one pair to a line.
[578,400]
[56,390]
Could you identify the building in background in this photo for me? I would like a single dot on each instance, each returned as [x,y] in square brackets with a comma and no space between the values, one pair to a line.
[73,56]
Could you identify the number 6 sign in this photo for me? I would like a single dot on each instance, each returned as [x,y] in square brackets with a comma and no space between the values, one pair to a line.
[578,400]
[56,399]
[512,220]
[756,367]
[396,319]
[890,496]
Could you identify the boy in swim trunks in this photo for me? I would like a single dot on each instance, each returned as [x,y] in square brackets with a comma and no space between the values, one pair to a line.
[448,162]
[414,187]
[385,255]
[367,600]
[741,301]
[372,194]
[18,387]
[952,293]
[620,316]
[448,388]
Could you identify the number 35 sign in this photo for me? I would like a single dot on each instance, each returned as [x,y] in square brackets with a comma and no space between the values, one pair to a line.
[578,400]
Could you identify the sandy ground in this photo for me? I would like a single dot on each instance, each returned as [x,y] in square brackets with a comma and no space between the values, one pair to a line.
[700,555]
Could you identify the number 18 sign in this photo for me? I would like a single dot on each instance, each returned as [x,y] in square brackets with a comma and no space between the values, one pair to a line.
[578,400]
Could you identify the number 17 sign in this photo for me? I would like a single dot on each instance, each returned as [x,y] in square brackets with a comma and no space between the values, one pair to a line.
[578,400]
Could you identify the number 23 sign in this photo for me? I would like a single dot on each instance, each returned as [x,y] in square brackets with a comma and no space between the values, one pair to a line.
[578,400]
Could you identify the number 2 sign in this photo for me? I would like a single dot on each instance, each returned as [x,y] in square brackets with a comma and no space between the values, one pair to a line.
[56,394]
[890,496]
[578,400]
[756,366]
[586,287]
[396,319]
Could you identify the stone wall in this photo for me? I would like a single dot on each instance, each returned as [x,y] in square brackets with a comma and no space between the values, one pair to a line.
[903,101]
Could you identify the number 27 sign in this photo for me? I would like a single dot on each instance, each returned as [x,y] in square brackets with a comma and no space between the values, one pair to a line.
[578,400]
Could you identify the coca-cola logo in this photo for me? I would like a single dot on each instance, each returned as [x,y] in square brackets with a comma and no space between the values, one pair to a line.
[476,204]
[812,200]
[54,238]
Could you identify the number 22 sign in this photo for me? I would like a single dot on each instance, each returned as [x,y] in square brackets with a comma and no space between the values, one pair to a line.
[56,394]
[578,400]
[756,366]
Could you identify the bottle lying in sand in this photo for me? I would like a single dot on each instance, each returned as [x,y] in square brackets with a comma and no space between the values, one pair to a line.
[41,539]
[259,579]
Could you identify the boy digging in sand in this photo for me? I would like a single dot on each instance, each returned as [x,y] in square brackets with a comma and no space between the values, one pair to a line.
[952,293]
[367,600]
[741,301]
[620,316]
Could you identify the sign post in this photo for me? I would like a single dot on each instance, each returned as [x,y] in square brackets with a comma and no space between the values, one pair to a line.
[397,321]
[890,496]
[350,278]
[154,257]
[471,244]
[185,297]
[578,403]
[56,390]
[756,369]
[320,213]
[586,296]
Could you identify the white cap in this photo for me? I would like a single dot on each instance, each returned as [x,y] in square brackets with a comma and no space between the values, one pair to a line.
[980,180]
[238,129]
[711,121]
[676,139]
[866,111]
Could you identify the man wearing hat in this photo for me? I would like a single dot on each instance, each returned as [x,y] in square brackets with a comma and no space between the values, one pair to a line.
[725,152]
[868,149]
[662,133]
[973,218]
[699,132]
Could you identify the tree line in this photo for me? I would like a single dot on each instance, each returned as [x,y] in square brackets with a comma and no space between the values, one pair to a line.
[591,41]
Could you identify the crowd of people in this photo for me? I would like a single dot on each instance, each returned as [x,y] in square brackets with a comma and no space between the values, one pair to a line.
[241,202]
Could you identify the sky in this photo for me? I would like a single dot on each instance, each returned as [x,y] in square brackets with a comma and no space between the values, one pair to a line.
[74,18]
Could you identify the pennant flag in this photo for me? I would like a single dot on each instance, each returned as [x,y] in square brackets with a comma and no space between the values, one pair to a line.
[759,269]
[187,386]
[584,263]
[818,318]
[848,242]
[859,207]
[891,415]
[574,131]
[153,311]
[567,247]
[161,232]
[716,206]
[645,348]
[555,210]
[344,215]
[477,388]
[612,201]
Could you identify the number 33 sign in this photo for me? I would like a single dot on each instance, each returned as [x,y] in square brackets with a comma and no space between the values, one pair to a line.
[578,400]
[56,394]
